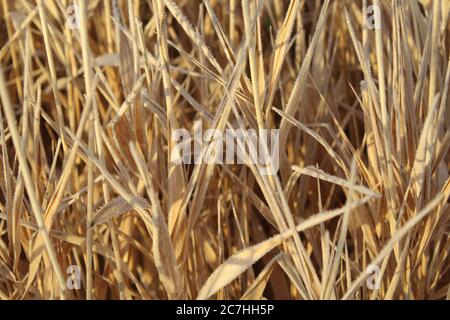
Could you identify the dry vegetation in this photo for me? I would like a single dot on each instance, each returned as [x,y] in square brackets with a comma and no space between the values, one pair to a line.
[87,179]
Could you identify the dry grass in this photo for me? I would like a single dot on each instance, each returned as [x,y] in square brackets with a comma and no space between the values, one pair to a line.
[87,176]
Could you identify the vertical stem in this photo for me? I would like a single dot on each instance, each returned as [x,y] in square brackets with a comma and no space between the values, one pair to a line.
[90,202]
[87,69]
[385,120]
